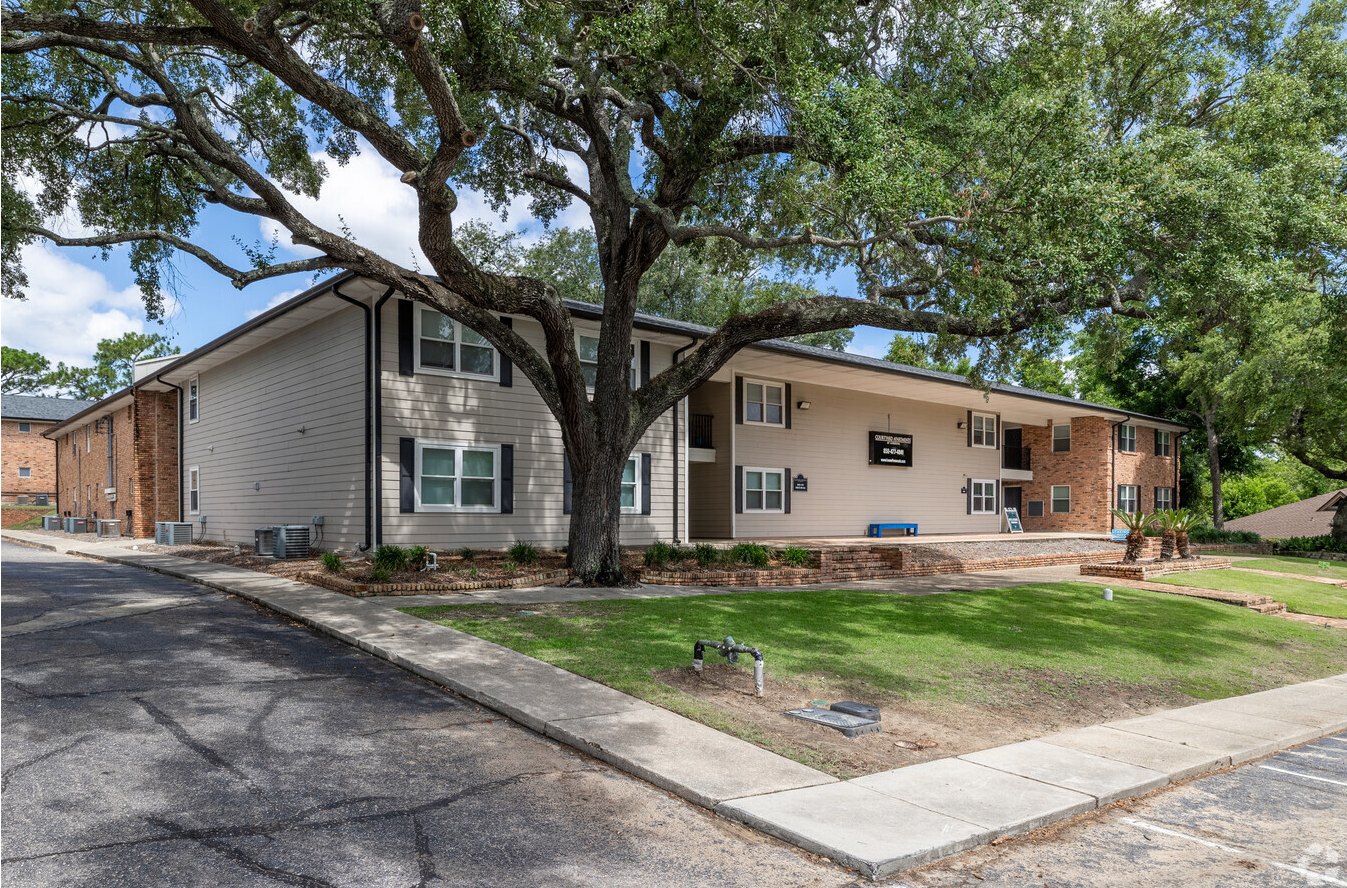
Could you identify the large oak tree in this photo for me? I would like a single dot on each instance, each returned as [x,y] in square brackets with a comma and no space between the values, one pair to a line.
[989,169]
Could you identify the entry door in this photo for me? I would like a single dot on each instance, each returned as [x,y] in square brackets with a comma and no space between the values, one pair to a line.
[1010,499]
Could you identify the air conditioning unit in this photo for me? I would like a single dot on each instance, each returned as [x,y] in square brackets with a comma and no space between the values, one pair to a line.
[173,533]
[41,500]
[77,525]
[109,527]
[290,540]
[51,522]
[264,542]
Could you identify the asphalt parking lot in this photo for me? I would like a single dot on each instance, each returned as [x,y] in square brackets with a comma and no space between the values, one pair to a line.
[159,733]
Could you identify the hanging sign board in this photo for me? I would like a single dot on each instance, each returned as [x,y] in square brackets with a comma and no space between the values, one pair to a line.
[800,484]
[1013,519]
[890,449]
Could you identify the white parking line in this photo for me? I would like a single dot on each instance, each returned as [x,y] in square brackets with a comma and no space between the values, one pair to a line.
[1306,776]
[1299,870]
[1336,740]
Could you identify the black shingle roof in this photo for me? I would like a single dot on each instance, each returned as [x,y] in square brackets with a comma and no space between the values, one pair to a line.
[40,408]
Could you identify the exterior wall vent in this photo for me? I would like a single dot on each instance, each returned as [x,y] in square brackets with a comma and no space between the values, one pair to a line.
[290,540]
[173,533]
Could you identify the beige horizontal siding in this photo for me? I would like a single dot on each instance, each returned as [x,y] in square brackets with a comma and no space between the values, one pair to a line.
[710,485]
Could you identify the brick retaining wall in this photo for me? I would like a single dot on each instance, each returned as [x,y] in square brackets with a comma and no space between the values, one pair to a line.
[1146,570]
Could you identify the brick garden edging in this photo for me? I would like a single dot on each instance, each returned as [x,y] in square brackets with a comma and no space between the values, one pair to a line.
[361,590]
[1144,570]
[786,576]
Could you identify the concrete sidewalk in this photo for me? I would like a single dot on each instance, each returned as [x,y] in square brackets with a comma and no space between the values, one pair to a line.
[878,825]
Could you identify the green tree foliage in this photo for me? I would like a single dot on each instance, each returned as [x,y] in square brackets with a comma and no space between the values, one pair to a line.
[113,368]
[23,372]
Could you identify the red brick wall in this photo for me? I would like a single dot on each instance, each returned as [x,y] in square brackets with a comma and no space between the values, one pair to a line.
[1145,469]
[26,449]
[82,470]
[156,460]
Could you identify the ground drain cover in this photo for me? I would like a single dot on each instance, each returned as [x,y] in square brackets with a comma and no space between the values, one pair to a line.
[849,725]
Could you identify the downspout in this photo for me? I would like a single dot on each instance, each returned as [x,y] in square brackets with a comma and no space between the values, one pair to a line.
[369,416]
[379,416]
[182,424]
[677,466]
[1113,468]
[111,483]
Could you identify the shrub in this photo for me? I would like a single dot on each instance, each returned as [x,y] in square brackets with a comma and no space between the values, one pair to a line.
[794,556]
[1212,535]
[472,572]
[332,561]
[416,557]
[706,554]
[509,565]
[380,574]
[660,554]
[524,553]
[751,553]
[467,553]
[391,558]
[1311,544]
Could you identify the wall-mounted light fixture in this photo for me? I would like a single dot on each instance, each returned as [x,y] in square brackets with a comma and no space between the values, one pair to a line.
[257,485]
[805,405]
[962,424]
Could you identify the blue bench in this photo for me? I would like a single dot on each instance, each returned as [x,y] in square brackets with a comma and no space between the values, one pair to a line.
[877,530]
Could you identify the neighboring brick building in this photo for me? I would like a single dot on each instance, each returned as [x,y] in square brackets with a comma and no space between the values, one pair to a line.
[1099,464]
[29,459]
[119,459]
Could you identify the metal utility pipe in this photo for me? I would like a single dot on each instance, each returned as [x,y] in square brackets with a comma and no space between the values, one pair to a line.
[730,650]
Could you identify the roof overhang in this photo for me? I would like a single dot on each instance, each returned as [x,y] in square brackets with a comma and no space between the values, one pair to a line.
[115,401]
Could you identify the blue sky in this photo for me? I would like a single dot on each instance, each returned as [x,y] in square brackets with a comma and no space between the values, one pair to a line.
[76,298]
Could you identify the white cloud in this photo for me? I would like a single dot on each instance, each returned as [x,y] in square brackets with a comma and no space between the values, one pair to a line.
[69,308]
[275,301]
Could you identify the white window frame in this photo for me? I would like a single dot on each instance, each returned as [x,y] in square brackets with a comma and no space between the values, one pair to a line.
[635,508]
[194,399]
[991,510]
[1056,438]
[1127,433]
[988,441]
[1169,504]
[25,427]
[1053,498]
[25,471]
[459,447]
[1136,489]
[194,490]
[1166,443]
[457,343]
[779,386]
[88,445]
[765,472]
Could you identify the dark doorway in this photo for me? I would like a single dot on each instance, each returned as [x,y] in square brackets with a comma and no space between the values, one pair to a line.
[1010,498]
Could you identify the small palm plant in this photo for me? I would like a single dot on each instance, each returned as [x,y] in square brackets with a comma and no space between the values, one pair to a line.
[1166,519]
[1184,521]
[1136,524]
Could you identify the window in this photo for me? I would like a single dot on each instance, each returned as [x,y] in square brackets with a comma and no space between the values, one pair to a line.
[1129,498]
[1164,498]
[588,349]
[984,497]
[1061,439]
[457,478]
[1061,498]
[194,399]
[194,490]
[631,485]
[1162,443]
[763,490]
[25,427]
[763,403]
[25,472]
[445,346]
[87,445]
[984,430]
[1127,438]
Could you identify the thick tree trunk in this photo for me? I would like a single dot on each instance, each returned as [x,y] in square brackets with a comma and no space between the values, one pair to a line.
[1339,526]
[1181,540]
[1168,540]
[1135,540]
[594,552]
[1214,460]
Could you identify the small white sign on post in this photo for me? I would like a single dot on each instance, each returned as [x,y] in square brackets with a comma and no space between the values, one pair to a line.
[1013,519]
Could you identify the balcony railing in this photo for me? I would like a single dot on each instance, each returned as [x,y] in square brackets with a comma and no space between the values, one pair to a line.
[1015,458]
[699,430]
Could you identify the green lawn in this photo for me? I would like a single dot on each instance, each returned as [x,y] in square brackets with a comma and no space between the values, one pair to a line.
[1306,567]
[970,647]
[1300,596]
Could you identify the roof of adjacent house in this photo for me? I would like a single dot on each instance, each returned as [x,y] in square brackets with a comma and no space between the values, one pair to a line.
[41,408]
[1309,517]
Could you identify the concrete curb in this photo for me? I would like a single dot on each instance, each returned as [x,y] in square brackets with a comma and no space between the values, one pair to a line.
[880,824]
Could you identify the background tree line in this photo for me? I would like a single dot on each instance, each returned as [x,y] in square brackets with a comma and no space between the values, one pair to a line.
[29,373]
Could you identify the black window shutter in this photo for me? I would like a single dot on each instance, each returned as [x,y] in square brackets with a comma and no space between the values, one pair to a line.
[507,479]
[645,364]
[1120,501]
[645,484]
[969,425]
[787,408]
[566,484]
[969,488]
[506,366]
[739,401]
[998,431]
[406,332]
[407,473]
[738,490]
[1156,502]
[996,498]
[1118,444]
[785,489]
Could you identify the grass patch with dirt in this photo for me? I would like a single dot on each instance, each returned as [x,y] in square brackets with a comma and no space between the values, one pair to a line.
[967,670]
[1300,596]
[15,517]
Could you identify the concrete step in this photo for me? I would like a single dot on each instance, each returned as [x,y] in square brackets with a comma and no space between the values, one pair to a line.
[1271,607]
